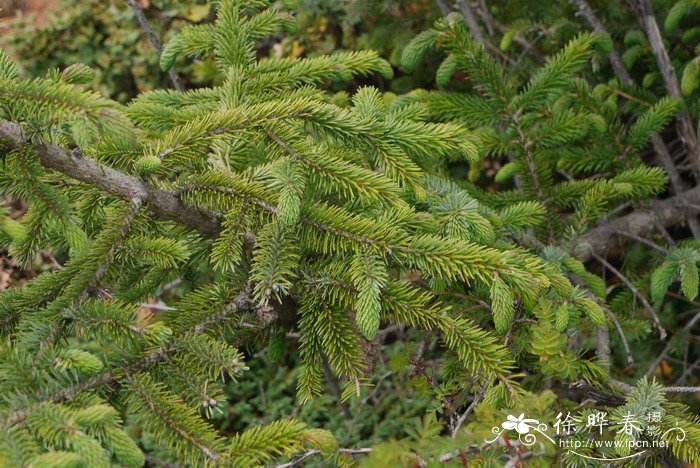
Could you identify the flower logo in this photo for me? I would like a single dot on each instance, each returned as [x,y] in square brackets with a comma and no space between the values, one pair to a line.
[520,424]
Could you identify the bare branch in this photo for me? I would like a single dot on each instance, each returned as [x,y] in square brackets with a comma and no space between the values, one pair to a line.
[312,453]
[662,153]
[474,28]
[444,7]
[463,417]
[603,345]
[644,241]
[621,334]
[143,22]
[668,73]
[667,349]
[668,212]
[650,310]
[681,389]
[485,14]
[587,12]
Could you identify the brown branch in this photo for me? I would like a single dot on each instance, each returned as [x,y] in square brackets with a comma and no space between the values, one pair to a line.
[667,349]
[445,9]
[314,452]
[161,203]
[143,22]
[485,14]
[474,28]
[663,155]
[587,12]
[668,212]
[668,73]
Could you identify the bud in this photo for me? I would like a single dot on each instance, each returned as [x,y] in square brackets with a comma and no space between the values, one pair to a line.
[147,165]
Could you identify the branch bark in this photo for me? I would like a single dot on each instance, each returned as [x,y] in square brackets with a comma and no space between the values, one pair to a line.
[161,203]
[663,155]
[668,73]
[473,25]
[668,212]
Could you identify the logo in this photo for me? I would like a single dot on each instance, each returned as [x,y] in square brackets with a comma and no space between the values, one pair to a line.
[586,435]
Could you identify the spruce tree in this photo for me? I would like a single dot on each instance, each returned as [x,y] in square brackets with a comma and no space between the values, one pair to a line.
[268,207]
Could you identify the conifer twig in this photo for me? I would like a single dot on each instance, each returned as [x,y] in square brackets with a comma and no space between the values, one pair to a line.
[603,345]
[167,205]
[681,389]
[480,394]
[689,371]
[148,30]
[106,262]
[621,334]
[644,241]
[635,291]
[667,212]
[444,7]
[602,333]
[463,417]
[314,452]
[240,303]
[483,11]
[474,28]
[163,204]
[615,59]
[473,25]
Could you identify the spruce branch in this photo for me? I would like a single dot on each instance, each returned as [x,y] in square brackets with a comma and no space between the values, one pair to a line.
[135,206]
[162,204]
[312,453]
[667,212]
[239,304]
[168,206]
